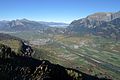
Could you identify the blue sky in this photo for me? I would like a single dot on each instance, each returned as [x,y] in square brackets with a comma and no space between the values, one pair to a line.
[54,10]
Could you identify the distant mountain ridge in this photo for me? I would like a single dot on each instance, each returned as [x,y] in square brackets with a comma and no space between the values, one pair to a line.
[21,25]
[24,24]
[95,22]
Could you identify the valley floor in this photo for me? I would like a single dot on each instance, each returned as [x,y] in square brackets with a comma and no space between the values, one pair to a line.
[90,54]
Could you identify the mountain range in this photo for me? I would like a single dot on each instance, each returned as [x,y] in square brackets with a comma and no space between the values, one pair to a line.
[21,25]
[27,25]
[105,24]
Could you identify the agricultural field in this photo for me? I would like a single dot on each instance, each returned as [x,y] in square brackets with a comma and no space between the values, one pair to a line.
[91,54]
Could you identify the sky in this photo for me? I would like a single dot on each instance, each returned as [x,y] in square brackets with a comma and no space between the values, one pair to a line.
[54,10]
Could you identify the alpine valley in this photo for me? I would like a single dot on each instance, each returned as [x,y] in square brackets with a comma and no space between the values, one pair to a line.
[85,49]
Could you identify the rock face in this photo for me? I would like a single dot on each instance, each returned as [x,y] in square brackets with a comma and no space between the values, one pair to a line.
[109,29]
[96,22]
[16,67]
